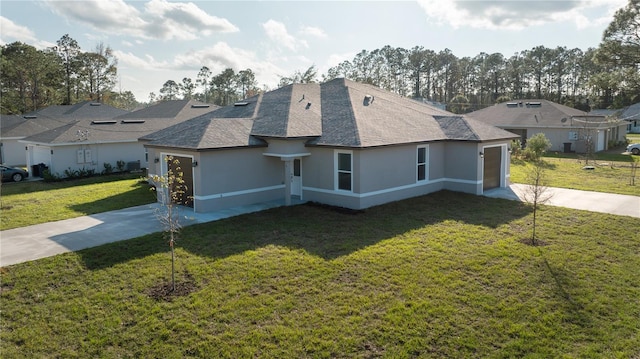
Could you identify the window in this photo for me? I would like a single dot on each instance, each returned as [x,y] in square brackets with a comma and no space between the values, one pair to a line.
[422,169]
[344,165]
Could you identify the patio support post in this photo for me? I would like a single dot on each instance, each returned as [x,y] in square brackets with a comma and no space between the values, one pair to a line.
[288,178]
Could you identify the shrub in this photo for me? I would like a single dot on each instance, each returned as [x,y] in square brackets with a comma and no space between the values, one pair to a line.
[120,165]
[537,145]
[108,168]
[50,177]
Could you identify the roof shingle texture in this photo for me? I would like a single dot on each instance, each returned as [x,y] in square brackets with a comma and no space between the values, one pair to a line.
[121,126]
[522,113]
[338,113]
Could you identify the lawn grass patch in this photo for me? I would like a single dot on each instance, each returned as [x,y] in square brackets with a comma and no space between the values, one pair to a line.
[444,275]
[28,203]
[606,176]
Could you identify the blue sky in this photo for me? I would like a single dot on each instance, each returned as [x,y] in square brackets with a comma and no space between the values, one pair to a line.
[160,40]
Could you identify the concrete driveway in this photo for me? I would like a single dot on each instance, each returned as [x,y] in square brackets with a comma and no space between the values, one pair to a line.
[48,239]
[621,205]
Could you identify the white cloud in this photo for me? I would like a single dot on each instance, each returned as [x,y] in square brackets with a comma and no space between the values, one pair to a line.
[159,20]
[217,58]
[128,60]
[313,31]
[517,15]
[184,20]
[278,34]
[11,32]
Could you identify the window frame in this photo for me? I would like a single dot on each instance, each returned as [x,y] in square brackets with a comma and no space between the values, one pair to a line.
[425,163]
[339,171]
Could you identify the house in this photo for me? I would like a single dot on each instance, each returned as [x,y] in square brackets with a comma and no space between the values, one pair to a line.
[16,128]
[567,128]
[94,136]
[12,129]
[339,143]
[631,115]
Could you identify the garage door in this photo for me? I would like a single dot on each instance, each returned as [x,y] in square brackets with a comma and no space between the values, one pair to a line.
[41,154]
[492,164]
[184,198]
[601,140]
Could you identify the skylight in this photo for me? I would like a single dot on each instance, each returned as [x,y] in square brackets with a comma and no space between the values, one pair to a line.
[241,103]
[104,122]
[199,106]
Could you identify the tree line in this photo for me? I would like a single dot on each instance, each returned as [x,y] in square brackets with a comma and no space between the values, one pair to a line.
[32,79]
[603,77]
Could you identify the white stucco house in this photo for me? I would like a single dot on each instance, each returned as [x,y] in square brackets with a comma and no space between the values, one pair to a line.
[91,135]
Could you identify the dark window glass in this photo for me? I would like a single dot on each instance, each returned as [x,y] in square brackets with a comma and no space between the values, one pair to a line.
[296,168]
[344,162]
[422,155]
[344,181]
[422,172]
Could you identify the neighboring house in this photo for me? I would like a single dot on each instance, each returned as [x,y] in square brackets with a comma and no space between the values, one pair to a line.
[95,136]
[12,129]
[15,128]
[631,115]
[568,129]
[339,143]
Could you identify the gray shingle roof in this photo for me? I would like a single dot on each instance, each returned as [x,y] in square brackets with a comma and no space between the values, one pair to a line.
[339,113]
[526,113]
[123,127]
[631,113]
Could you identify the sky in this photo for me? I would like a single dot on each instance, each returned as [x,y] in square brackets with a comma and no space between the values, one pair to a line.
[159,40]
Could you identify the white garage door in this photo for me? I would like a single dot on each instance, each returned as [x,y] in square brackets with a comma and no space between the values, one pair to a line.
[600,144]
[41,154]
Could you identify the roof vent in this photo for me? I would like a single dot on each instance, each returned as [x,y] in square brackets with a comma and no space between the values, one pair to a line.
[29,117]
[241,103]
[104,122]
[132,121]
[95,104]
[200,106]
[308,105]
[368,99]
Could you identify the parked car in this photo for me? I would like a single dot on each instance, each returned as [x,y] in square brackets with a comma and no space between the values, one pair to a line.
[13,174]
[634,148]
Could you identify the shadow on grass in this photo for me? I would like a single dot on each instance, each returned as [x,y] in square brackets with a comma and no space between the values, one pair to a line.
[39,186]
[140,193]
[319,230]
[564,281]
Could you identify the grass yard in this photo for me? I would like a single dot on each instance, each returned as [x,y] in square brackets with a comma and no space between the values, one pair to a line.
[610,174]
[446,275]
[27,203]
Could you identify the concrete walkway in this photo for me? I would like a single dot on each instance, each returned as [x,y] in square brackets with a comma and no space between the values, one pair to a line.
[48,239]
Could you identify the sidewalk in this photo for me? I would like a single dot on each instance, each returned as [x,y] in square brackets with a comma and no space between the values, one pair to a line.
[48,239]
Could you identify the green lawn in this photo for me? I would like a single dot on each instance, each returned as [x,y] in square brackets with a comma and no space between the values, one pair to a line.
[445,275]
[27,203]
[611,173]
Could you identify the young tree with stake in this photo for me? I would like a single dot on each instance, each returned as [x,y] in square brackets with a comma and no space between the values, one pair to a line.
[171,189]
